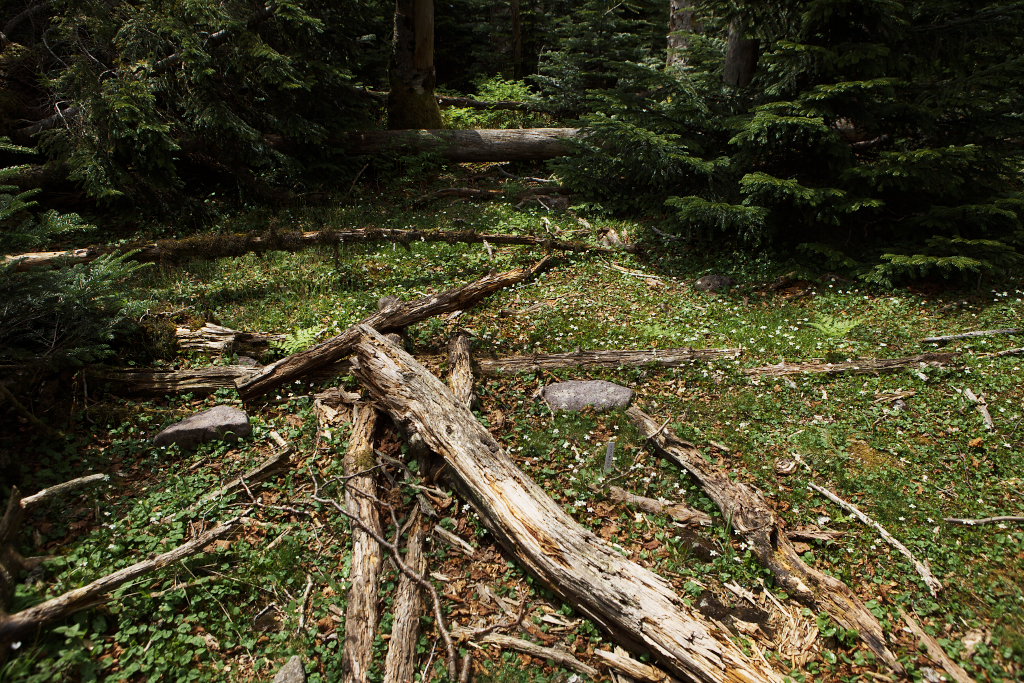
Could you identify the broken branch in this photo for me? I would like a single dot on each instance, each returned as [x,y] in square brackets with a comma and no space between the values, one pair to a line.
[857,367]
[968,335]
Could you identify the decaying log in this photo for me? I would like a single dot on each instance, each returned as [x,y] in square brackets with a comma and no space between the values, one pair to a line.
[239,244]
[23,623]
[632,603]
[400,662]
[969,335]
[935,650]
[519,144]
[149,382]
[923,570]
[857,367]
[392,318]
[754,521]
[667,358]
[212,338]
[460,370]
[361,614]
[680,513]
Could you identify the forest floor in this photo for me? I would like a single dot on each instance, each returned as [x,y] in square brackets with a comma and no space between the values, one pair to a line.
[908,448]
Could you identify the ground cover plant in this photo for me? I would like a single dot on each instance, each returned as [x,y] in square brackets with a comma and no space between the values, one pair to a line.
[910,448]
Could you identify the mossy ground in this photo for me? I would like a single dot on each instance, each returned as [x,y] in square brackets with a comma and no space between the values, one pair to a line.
[233,614]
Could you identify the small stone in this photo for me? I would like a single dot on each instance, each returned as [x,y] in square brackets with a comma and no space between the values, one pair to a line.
[575,395]
[713,283]
[223,423]
[291,672]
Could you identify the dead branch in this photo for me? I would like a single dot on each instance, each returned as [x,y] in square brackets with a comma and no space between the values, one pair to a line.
[986,520]
[22,623]
[982,405]
[754,521]
[361,614]
[935,650]
[968,335]
[560,657]
[392,318]
[666,358]
[1007,352]
[857,367]
[626,665]
[400,662]
[629,601]
[678,512]
[61,489]
[922,567]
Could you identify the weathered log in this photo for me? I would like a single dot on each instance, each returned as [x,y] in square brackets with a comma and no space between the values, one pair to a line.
[212,338]
[754,521]
[22,623]
[667,358]
[400,662]
[149,382]
[970,335]
[238,244]
[392,318]
[519,144]
[627,666]
[678,512]
[460,370]
[856,367]
[632,603]
[361,614]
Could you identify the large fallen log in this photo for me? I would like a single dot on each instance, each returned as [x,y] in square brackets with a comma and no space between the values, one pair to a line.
[361,614]
[856,367]
[212,338]
[391,318]
[239,244]
[632,603]
[754,521]
[519,144]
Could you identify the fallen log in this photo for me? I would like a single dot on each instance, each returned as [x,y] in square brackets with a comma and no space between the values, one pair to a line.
[632,603]
[518,144]
[754,521]
[666,358]
[627,666]
[856,367]
[391,318]
[400,661]
[560,657]
[460,370]
[150,382]
[23,623]
[970,335]
[361,614]
[212,338]
[680,513]
[239,244]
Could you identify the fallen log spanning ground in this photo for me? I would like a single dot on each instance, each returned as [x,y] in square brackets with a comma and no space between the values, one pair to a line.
[753,520]
[632,603]
[856,367]
[361,614]
[600,359]
[409,607]
[212,338]
[970,335]
[22,623]
[238,244]
[518,144]
[393,317]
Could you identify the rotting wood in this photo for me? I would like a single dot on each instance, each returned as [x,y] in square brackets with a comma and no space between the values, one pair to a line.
[982,406]
[23,623]
[150,382]
[632,603]
[680,513]
[934,585]
[862,366]
[361,614]
[752,518]
[239,244]
[600,359]
[935,650]
[400,662]
[460,370]
[518,144]
[212,338]
[636,670]
[969,335]
[1011,519]
[392,318]
[561,657]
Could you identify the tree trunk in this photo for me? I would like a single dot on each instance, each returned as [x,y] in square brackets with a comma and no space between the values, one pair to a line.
[632,603]
[741,57]
[752,519]
[517,39]
[411,102]
[361,614]
[393,318]
[521,144]
[680,25]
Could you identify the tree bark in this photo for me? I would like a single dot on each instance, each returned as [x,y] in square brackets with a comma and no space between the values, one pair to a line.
[361,614]
[216,339]
[460,372]
[630,602]
[393,318]
[680,24]
[520,144]
[411,102]
[752,519]
[741,57]
[225,246]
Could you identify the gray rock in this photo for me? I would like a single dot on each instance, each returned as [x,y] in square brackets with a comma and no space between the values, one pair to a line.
[575,395]
[223,423]
[713,283]
[292,672]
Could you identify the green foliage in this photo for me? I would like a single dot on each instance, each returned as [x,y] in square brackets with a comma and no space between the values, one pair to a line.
[495,89]
[299,339]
